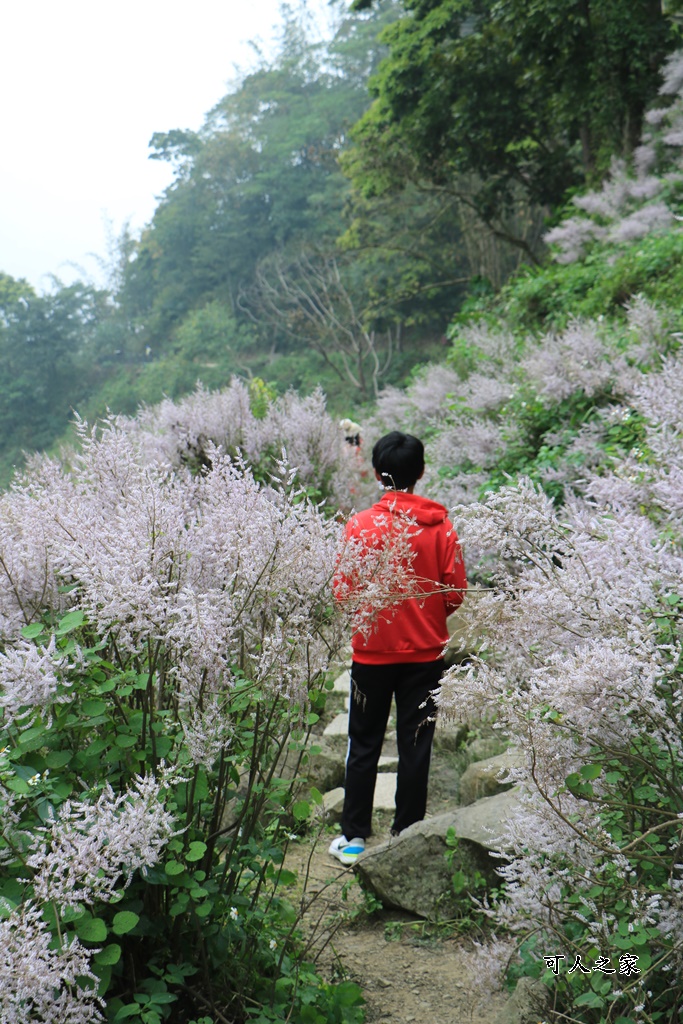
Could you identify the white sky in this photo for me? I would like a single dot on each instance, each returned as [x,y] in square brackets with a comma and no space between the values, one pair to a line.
[85,84]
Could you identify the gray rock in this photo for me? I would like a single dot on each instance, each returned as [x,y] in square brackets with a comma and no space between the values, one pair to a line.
[485,746]
[461,644]
[449,735]
[342,682]
[410,872]
[385,792]
[484,778]
[333,804]
[528,1004]
[325,769]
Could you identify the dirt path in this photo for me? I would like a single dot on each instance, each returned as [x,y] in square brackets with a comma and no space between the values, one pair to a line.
[408,974]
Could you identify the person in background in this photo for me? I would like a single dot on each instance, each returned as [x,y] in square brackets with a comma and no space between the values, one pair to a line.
[352,432]
[401,657]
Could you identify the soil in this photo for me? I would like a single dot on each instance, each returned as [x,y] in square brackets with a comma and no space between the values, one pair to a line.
[410,972]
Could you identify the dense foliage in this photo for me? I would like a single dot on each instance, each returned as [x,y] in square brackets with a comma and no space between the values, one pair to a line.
[510,98]
[165,632]
[558,430]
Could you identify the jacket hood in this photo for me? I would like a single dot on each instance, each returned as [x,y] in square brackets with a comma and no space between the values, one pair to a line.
[423,510]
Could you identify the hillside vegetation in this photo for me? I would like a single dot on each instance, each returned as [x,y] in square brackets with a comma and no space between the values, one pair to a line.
[337,207]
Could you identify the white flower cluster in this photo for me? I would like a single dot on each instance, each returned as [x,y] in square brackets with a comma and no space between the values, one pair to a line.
[179,556]
[87,853]
[215,569]
[29,680]
[39,982]
[94,846]
[173,434]
[576,360]
[569,662]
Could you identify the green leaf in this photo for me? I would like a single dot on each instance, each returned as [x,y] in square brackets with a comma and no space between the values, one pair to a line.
[124,740]
[196,851]
[301,810]
[164,998]
[96,747]
[590,771]
[103,972]
[27,737]
[590,999]
[18,786]
[459,881]
[91,929]
[174,867]
[7,906]
[106,687]
[57,758]
[128,1010]
[32,631]
[124,922]
[347,993]
[93,708]
[164,746]
[111,954]
[70,621]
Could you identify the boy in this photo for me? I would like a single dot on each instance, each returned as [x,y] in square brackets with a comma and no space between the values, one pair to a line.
[402,655]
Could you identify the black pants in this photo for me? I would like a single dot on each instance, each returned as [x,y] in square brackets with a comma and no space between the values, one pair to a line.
[372,689]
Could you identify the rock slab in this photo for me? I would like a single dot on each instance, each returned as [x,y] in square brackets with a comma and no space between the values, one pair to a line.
[487,777]
[410,872]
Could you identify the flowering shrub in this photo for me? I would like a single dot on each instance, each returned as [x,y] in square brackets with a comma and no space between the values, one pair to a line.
[247,420]
[164,642]
[579,665]
[573,523]
[629,206]
[563,452]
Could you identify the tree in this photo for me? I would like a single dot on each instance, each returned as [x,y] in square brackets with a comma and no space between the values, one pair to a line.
[312,298]
[490,101]
[262,174]
[47,350]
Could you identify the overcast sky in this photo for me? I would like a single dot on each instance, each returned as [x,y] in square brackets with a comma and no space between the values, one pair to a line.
[84,85]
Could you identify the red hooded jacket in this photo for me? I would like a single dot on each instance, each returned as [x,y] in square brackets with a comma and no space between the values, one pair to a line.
[414,630]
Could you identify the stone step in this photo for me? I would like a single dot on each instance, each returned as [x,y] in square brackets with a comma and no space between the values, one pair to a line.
[385,792]
[343,682]
[339,726]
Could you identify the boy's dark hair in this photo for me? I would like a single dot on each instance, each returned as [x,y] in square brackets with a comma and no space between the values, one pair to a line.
[399,459]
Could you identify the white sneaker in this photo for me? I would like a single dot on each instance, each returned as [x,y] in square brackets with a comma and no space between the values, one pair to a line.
[347,850]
